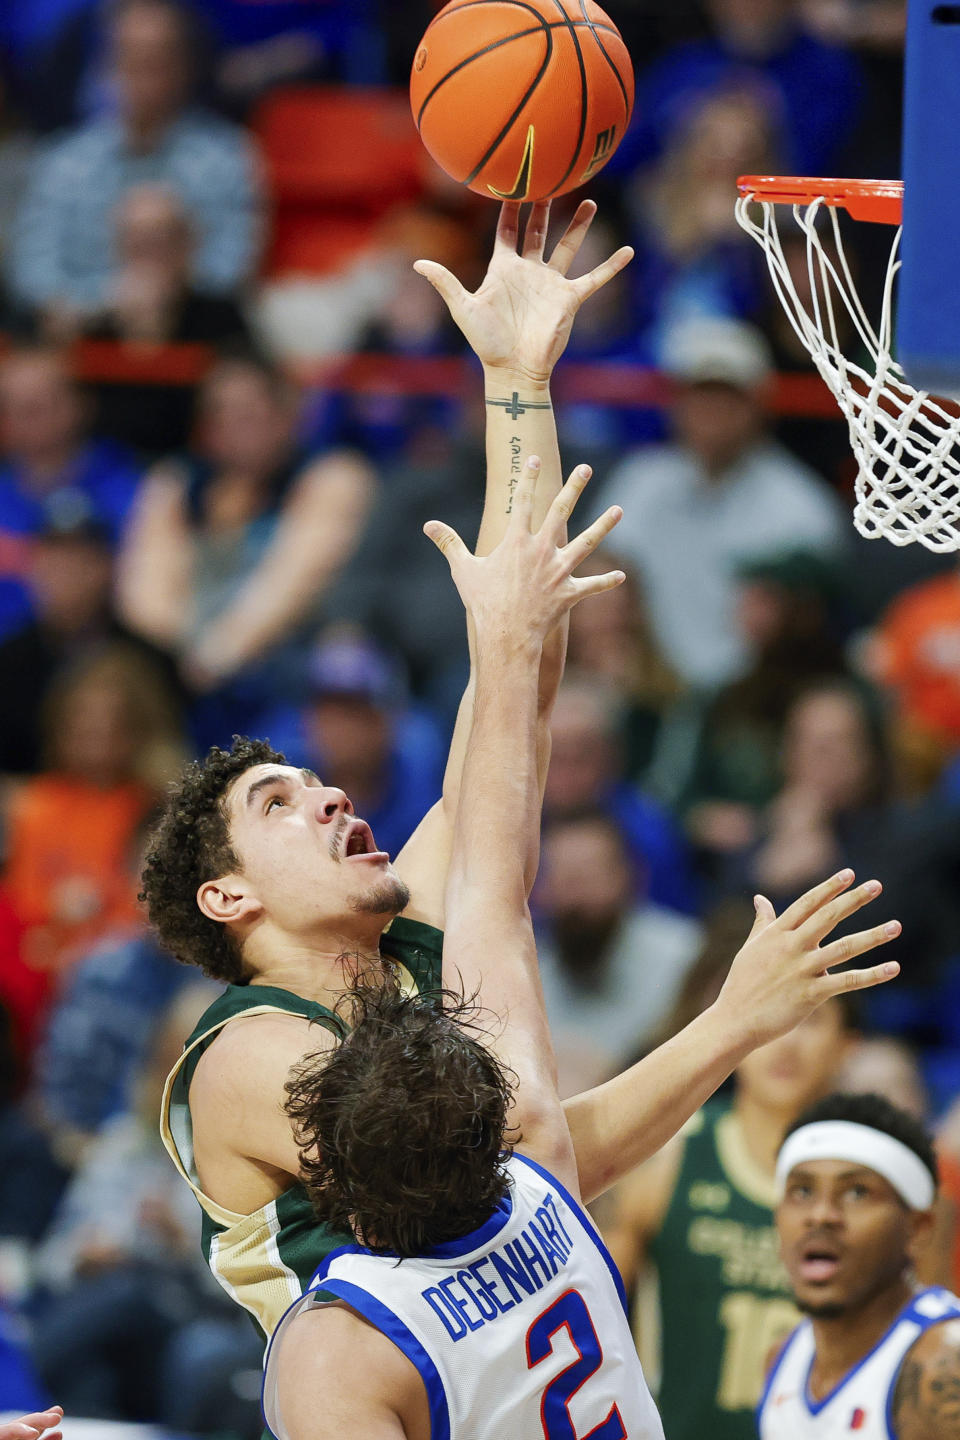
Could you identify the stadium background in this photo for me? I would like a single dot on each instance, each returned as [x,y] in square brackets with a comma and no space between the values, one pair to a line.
[215,348]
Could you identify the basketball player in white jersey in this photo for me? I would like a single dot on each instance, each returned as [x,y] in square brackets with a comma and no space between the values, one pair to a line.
[878,1357]
[505,1317]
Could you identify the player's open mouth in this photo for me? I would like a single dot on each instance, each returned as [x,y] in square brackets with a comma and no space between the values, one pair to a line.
[358,843]
[819,1262]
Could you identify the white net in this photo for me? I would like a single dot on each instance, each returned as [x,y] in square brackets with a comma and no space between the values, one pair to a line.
[907,444]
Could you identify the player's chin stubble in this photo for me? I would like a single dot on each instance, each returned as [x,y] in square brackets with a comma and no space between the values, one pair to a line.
[388,898]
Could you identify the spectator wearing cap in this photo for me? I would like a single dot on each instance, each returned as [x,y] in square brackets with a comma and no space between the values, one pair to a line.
[719,492]
[61,257]
[53,476]
[360,732]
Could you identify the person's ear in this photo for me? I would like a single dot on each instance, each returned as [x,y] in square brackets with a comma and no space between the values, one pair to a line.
[921,1231]
[227,900]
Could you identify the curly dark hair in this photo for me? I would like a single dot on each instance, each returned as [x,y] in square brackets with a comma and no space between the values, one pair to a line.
[403,1126]
[877,1112]
[191,844]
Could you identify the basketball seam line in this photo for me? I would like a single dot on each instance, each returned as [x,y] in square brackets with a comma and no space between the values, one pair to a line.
[627,107]
[583,98]
[519,107]
[547,25]
[543,25]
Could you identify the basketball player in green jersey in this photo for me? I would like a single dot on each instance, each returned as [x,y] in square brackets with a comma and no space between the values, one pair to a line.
[694,1236]
[231,1141]
[262,876]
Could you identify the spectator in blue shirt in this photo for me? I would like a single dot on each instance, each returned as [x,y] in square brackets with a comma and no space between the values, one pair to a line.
[52,475]
[815,86]
[62,252]
[99,1033]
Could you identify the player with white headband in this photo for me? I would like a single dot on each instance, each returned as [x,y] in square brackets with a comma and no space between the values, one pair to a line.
[878,1357]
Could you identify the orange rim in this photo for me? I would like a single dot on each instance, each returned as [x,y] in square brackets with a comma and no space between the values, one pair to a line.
[878,200]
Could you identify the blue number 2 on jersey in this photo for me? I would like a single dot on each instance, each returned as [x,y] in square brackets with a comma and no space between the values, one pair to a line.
[569,1312]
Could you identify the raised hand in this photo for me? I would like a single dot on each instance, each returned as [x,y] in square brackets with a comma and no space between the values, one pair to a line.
[520,318]
[783,972]
[524,586]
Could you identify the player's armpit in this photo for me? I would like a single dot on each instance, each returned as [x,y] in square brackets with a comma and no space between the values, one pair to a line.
[926,1400]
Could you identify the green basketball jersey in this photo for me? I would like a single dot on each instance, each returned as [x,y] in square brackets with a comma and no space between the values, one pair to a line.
[715,1300]
[264,1260]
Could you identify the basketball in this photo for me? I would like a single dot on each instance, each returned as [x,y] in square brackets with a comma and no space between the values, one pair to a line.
[521,99]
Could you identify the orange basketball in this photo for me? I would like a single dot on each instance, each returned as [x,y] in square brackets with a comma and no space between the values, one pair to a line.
[521,99]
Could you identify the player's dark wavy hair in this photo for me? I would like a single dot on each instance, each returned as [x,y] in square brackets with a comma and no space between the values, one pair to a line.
[403,1126]
[877,1112]
[191,844]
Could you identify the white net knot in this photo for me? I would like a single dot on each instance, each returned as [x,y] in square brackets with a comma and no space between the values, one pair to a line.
[905,441]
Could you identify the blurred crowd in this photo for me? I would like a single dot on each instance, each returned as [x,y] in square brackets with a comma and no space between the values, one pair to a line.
[224,550]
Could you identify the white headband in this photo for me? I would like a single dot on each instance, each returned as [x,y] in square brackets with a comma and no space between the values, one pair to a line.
[862,1145]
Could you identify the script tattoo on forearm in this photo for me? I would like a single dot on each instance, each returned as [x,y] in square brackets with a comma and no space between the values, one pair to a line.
[926,1402]
[515,448]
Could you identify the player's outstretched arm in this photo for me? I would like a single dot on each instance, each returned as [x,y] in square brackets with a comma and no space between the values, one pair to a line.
[518,323]
[926,1400]
[515,597]
[780,976]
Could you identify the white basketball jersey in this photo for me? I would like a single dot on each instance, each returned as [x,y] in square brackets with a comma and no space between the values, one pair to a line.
[859,1407]
[519,1330]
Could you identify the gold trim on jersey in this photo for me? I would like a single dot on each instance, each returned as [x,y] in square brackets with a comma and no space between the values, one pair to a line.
[738,1164]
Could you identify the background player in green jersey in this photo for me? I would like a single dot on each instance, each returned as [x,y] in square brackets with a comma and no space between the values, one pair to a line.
[694,1236]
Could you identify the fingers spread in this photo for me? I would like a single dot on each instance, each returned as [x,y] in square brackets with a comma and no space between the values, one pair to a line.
[829,915]
[447,285]
[859,979]
[535,235]
[521,503]
[508,225]
[568,246]
[765,915]
[565,502]
[580,547]
[597,584]
[594,280]
[446,539]
[850,945]
[802,909]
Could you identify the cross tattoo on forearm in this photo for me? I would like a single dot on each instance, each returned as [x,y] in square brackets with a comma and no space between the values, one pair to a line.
[515,407]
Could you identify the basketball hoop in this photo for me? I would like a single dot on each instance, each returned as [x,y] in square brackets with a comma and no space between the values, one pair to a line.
[907,444]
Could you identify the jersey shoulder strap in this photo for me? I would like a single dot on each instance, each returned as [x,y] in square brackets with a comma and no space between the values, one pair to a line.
[418,948]
[237,1002]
